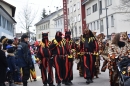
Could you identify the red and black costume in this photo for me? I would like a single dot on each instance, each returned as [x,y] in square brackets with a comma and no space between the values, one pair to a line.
[69,46]
[89,47]
[44,55]
[58,50]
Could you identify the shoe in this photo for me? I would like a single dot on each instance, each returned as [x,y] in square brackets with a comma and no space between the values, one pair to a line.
[63,82]
[45,85]
[70,83]
[91,81]
[51,85]
[59,84]
[67,83]
[88,82]
[35,79]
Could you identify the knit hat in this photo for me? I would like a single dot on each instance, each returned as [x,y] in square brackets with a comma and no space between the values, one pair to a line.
[24,36]
[10,49]
[10,41]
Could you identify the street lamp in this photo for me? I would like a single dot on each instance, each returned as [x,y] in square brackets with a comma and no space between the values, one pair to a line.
[106,20]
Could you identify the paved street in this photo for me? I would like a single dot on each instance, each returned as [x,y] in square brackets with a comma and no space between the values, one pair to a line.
[78,81]
[103,79]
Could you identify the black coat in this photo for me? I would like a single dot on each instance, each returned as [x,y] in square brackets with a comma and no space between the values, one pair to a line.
[3,66]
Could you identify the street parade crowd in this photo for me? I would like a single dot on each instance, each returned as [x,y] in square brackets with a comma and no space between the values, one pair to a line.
[18,57]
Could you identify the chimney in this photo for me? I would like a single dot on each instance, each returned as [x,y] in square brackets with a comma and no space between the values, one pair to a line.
[57,9]
[49,12]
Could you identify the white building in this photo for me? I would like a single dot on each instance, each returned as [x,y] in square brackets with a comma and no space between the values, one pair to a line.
[48,25]
[59,23]
[7,22]
[74,17]
[96,16]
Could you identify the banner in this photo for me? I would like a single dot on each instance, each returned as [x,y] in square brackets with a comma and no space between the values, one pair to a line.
[65,15]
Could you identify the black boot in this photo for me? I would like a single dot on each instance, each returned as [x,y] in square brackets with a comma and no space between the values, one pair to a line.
[24,84]
[88,81]
[67,83]
[45,85]
[70,83]
[59,84]
[51,85]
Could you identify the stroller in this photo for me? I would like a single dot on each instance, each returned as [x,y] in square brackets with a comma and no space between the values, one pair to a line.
[124,79]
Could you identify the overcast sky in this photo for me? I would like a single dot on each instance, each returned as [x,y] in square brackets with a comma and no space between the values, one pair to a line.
[37,5]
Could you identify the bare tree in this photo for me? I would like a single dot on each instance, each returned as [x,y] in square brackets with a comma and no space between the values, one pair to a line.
[124,7]
[26,17]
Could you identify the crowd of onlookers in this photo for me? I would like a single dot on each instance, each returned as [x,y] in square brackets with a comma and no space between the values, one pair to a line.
[11,65]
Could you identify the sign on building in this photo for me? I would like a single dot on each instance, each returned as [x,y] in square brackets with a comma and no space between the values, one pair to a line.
[65,15]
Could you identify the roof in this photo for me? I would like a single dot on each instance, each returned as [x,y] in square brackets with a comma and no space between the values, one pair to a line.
[7,13]
[61,16]
[13,7]
[46,19]
[85,1]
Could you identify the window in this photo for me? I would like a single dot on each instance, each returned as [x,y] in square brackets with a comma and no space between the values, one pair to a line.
[90,26]
[102,28]
[100,7]
[4,22]
[75,20]
[78,5]
[79,17]
[95,8]
[75,31]
[71,9]
[0,20]
[74,7]
[44,27]
[97,24]
[112,21]
[94,25]
[89,11]
[108,2]
[79,29]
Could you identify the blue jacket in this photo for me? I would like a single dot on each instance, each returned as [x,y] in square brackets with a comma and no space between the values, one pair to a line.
[22,54]
[11,62]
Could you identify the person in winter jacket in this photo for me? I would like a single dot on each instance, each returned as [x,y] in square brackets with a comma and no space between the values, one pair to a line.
[24,59]
[11,64]
[3,66]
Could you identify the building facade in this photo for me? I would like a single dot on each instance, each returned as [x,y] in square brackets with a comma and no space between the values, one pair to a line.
[7,22]
[74,17]
[96,20]
[59,23]
[48,24]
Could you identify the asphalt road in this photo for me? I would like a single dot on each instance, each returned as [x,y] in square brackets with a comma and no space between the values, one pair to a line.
[103,79]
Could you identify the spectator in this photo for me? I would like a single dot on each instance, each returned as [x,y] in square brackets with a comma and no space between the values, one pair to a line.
[24,59]
[3,66]
[11,64]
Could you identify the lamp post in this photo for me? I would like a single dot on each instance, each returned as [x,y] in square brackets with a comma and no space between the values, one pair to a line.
[106,20]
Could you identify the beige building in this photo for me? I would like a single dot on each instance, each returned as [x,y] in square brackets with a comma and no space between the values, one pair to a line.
[48,24]
[7,22]
[74,17]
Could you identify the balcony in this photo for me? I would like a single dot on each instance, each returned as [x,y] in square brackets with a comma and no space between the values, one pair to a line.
[85,1]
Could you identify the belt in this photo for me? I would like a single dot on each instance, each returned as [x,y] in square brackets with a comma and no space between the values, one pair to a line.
[89,53]
[70,56]
[60,55]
